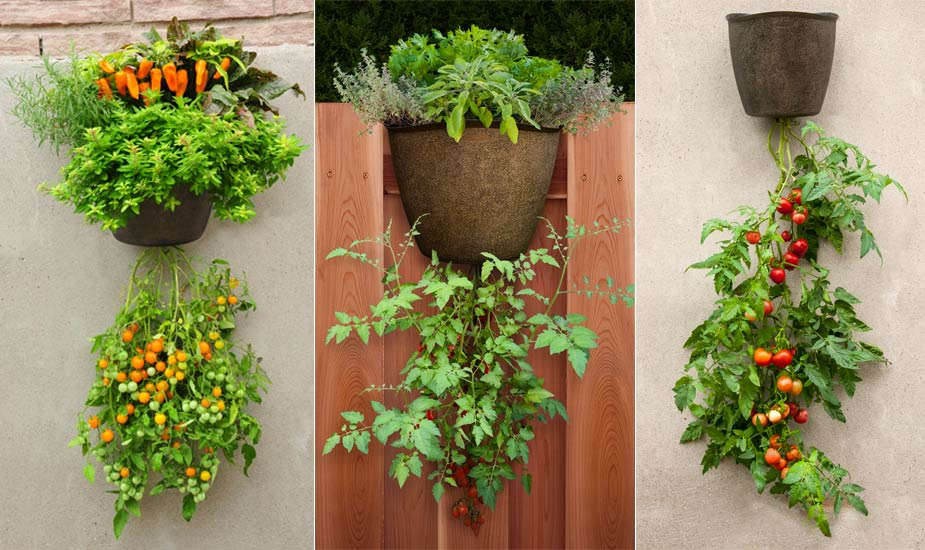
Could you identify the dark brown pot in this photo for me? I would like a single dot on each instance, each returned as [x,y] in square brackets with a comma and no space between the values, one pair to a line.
[483,194]
[782,61]
[154,226]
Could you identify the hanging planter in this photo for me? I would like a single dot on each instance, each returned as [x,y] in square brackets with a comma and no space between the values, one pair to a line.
[154,226]
[161,133]
[483,194]
[477,184]
[782,61]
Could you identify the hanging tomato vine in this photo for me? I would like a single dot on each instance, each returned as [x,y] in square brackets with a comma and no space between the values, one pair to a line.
[781,337]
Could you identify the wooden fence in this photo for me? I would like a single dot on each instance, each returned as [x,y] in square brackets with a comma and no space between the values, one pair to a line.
[583,470]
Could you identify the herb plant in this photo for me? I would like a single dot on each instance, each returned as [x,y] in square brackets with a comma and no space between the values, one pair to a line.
[172,387]
[153,115]
[470,397]
[771,347]
[484,74]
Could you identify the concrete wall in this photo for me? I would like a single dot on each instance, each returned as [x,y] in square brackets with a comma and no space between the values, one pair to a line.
[62,282]
[699,156]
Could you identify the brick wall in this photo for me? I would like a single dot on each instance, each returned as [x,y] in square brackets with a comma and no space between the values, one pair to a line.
[104,25]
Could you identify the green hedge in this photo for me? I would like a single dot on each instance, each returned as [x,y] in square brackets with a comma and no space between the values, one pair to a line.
[559,29]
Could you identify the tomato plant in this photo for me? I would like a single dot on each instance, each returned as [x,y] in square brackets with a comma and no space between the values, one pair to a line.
[752,367]
[470,398]
[172,386]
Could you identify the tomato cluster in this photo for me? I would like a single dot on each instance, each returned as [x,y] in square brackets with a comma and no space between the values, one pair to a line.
[469,508]
[778,460]
[171,389]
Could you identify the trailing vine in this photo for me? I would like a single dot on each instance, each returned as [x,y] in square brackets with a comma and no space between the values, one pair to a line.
[469,398]
[172,387]
[781,337]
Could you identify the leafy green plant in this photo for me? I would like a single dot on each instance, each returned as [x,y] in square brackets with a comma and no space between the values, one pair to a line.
[172,387]
[470,396]
[151,116]
[484,74]
[143,154]
[770,349]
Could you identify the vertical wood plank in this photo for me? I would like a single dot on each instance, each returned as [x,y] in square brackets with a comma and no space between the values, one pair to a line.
[537,519]
[410,511]
[599,449]
[348,186]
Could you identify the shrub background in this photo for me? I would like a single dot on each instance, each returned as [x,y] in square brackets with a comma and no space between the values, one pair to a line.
[562,29]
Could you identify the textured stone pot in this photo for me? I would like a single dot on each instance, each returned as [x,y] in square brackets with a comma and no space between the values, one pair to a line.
[154,226]
[782,61]
[483,194]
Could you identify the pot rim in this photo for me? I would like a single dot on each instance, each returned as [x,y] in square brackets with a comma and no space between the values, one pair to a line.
[442,125]
[825,16]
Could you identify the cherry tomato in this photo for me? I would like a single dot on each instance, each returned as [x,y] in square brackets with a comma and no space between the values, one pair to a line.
[775,416]
[785,206]
[778,275]
[759,418]
[771,456]
[753,237]
[782,359]
[799,247]
[797,388]
[786,236]
[775,441]
[801,416]
[768,307]
[790,261]
[783,473]
[762,357]
[785,384]
[796,196]
[798,218]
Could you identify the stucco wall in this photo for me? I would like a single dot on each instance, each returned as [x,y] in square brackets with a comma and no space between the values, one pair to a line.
[61,282]
[699,156]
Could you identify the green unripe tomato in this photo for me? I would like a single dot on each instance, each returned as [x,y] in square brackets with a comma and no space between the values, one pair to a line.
[185,407]
[239,394]
[219,416]
[204,487]
[193,404]
[134,396]
[213,409]
[219,378]
[132,386]
[231,386]
[151,371]
[204,417]
[136,480]
[221,309]
[124,486]
[139,433]
[173,381]
[182,490]
[200,409]
[181,366]
[100,453]
[200,497]
[107,468]
[154,405]
[123,355]
[123,387]
[191,481]
[194,490]
[210,375]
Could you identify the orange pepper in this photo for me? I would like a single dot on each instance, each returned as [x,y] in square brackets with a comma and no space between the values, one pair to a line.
[121,82]
[107,67]
[202,76]
[226,62]
[170,75]
[105,90]
[131,81]
[182,81]
[156,79]
[144,68]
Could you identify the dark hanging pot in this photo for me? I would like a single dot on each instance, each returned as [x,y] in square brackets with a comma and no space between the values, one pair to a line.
[782,61]
[483,194]
[154,226]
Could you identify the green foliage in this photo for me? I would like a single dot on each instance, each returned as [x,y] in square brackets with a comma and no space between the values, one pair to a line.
[376,97]
[469,395]
[131,147]
[59,104]
[161,423]
[560,29]
[145,153]
[724,388]
[484,74]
